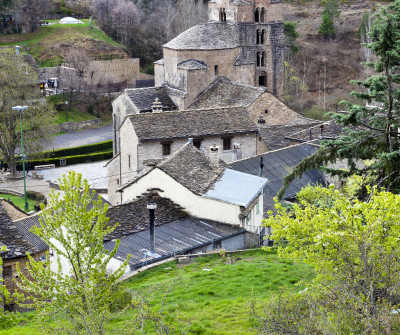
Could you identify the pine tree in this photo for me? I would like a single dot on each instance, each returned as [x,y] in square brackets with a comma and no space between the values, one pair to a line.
[370,131]
[326,28]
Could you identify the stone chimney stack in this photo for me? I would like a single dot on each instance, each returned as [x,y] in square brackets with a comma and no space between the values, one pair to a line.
[214,155]
[157,106]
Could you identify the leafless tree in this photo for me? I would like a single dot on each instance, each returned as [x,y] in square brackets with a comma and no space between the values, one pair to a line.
[31,11]
[78,59]
[126,18]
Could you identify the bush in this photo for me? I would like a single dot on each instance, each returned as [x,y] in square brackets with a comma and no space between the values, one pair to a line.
[84,149]
[88,158]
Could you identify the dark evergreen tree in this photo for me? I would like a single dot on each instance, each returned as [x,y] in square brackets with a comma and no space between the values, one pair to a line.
[326,28]
[291,34]
[370,131]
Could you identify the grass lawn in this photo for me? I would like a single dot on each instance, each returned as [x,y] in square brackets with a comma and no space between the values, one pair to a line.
[19,201]
[214,294]
[47,42]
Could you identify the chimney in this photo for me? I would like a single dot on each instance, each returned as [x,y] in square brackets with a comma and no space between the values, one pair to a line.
[156,106]
[237,152]
[260,170]
[152,207]
[214,155]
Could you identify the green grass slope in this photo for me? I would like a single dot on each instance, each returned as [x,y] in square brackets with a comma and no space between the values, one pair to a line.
[48,43]
[212,293]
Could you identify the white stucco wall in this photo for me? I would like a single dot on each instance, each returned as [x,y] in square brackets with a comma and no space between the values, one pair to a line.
[191,202]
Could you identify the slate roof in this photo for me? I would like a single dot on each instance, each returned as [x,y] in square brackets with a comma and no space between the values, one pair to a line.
[224,93]
[207,36]
[326,130]
[170,125]
[240,3]
[25,225]
[190,167]
[192,64]
[143,98]
[16,238]
[134,216]
[278,137]
[171,238]
[277,165]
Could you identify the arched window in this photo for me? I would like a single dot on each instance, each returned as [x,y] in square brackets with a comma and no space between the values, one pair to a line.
[263,36]
[216,70]
[223,15]
[263,56]
[258,58]
[262,16]
[258,41]
[257,16]
[220,15]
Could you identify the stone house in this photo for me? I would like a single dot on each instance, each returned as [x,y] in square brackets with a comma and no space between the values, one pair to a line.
[204,187]
[19,240]
[148,137]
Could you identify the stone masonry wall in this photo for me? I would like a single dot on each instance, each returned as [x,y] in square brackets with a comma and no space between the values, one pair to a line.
[277,112]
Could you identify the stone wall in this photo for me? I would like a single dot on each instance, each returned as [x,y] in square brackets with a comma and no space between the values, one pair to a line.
[113,71]
[113,173]
[72,126]
[272,110]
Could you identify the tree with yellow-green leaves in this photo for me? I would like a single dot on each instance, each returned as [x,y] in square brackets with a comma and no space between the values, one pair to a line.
[78,293]
[354,248]
[19,86]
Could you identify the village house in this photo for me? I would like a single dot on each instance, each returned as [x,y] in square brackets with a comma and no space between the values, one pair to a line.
[18,239]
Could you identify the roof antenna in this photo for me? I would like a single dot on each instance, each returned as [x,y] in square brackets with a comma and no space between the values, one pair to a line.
[260,171]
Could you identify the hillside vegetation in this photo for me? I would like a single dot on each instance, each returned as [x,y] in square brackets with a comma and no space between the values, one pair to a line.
[213,292]
[50,43]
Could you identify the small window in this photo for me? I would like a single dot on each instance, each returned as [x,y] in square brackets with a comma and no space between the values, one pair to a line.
[258,206]
[129,161]
[7,272]
[248,218]
[216,70]
[166,149]
[227,143]
[197,143]
[217,245]
[117,181]
[266,111]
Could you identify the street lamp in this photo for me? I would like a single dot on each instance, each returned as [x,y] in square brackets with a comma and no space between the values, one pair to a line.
[66,111]
[20,109]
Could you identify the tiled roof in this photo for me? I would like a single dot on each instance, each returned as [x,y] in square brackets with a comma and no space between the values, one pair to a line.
[326,130]
[172,238]
[134,216]
[207,36]
[17,240]
[170,125]
[277,137]
[192,64]
[143,98]
[224,93]
[277,165]
[190,167]
[24,226]
[241,60]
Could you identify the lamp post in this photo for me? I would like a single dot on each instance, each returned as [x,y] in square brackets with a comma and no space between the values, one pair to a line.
[20,109]
[66,111]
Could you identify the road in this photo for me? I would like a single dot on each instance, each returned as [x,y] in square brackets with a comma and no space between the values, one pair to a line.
[83,137]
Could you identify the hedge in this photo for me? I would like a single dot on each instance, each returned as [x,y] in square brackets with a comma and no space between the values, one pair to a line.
[100,156]
[83,149]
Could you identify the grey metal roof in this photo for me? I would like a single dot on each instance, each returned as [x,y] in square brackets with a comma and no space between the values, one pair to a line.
[277,165]
[176,236]
[237,188]
[207,36]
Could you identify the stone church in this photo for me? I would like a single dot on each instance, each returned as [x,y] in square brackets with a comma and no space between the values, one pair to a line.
[218,83]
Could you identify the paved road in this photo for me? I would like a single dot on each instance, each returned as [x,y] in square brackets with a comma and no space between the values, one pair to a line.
[83,137]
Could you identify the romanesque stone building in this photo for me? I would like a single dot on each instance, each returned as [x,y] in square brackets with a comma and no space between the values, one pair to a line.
[243,41]
[218,82]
